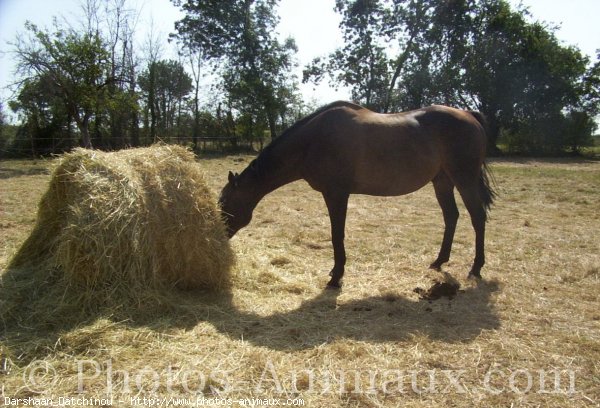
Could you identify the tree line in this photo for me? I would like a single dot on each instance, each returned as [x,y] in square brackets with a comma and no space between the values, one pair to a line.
[90,85]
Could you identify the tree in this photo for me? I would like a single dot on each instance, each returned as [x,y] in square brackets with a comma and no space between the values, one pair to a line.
[122,106]
[238,36]
[46,121]
[76,65]
[362,63]
[169,84]
[2,140]
[591,88]
[195,60]
[522,78]
[153,51]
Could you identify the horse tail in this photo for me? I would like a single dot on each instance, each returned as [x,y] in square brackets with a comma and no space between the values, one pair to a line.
[486,180]
[486,190]
[480,117]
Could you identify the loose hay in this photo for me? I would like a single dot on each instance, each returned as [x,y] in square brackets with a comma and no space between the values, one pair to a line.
[535,309]
[127,225]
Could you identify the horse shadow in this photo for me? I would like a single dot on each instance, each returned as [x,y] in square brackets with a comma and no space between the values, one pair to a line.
[383,318]
[322,319]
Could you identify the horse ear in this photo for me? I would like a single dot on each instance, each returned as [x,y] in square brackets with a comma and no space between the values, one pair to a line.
[232,177]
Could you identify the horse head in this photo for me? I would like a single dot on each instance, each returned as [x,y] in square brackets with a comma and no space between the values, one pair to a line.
[237,201]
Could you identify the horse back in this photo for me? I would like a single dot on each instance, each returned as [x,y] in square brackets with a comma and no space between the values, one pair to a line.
[433,131]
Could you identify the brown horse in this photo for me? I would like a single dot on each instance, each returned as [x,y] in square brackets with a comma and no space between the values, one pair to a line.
[344,149]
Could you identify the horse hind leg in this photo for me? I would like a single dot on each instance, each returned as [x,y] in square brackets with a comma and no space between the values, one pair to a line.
[476,207]
[444,192]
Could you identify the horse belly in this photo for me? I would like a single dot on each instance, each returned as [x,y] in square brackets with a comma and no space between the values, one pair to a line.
[395,171]
[392,185]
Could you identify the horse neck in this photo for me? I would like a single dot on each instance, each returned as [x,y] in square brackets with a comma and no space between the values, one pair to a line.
[278,165]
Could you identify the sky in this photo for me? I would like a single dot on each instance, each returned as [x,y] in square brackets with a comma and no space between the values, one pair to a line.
[312,23]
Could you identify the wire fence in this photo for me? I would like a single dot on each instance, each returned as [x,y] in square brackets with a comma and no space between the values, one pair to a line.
[44,146]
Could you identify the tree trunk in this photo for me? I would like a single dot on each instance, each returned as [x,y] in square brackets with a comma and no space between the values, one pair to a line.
[178,122]
[151,102]
[493,132]
[272,126]
[196,130]
[399,65]
[83,126]
[133,114]
[135,129]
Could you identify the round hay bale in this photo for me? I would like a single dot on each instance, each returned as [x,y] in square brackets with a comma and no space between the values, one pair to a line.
[123,222]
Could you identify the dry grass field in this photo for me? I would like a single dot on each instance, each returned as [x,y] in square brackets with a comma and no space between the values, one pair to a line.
[528,334]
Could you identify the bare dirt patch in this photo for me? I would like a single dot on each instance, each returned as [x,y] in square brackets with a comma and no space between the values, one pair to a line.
[438,290]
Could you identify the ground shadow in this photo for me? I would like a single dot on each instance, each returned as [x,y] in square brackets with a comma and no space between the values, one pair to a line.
[318,320]
[323,319]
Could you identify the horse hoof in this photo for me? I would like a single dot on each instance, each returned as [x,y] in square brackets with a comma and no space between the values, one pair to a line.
[472,275]
[435,267]
[333,285]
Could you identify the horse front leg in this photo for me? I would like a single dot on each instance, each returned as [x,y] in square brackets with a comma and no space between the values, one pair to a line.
[337,206]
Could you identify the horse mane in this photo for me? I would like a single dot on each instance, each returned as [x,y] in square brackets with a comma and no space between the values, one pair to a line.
[258,164]
[308,118]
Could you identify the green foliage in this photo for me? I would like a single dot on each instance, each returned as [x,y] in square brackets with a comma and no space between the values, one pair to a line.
[165,85]
[362,63]
[523,79]
[2,136]
[239,36]
[73,66]
[561,133]
[46,119]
